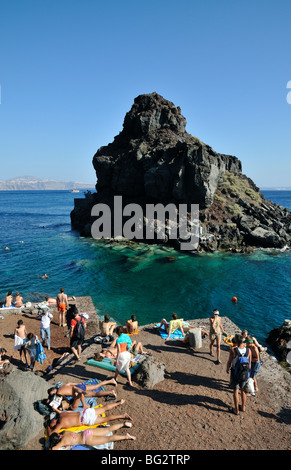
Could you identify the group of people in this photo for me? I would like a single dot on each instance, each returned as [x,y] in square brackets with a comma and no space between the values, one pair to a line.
[66,416]
[28,343]
[242,345]
[15,302]
[243,364]
[122,348]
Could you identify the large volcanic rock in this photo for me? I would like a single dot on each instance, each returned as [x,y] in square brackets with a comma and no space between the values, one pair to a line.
[155,160]
[19,421]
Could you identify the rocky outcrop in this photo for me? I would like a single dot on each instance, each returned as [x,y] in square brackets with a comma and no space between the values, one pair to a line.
[155,160]
[150,372]
[20,422]
[279,340]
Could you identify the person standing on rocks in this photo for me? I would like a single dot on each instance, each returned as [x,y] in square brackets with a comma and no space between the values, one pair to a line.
[238,378]
[45,329]
[216,329]
[77,333]
[62,302]
[20,334]
[123,357]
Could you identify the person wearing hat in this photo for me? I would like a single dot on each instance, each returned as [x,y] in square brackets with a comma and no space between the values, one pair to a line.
[215,333]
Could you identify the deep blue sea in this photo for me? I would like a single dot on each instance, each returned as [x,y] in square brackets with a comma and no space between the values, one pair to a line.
[126,280]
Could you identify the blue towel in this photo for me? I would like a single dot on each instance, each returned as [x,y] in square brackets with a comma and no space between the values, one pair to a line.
[175,335]
[40,354]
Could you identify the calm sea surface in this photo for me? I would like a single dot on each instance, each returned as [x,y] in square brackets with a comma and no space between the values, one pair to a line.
[122,281]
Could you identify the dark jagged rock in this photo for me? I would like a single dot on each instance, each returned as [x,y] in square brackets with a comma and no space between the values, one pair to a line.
[155,160]
[279,339]
[20,422]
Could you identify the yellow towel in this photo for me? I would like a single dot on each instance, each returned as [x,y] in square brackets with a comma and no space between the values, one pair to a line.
[77,428]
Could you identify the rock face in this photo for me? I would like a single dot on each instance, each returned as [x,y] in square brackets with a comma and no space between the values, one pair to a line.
[150,372]
[19,421]
[155,160]
[279,340]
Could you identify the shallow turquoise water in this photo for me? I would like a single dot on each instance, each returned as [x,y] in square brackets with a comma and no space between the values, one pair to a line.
[123,280]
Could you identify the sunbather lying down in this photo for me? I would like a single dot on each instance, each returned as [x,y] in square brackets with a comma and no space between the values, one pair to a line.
[79,391]
[91,437]
[87,417]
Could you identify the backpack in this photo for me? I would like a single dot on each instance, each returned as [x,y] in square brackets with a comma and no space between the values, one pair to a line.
[80,329]
[242,367]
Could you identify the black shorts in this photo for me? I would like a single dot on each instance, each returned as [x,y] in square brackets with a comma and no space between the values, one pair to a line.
[234,384]
[74,342]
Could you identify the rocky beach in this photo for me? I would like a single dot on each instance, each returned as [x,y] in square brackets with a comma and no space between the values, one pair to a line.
[190,409]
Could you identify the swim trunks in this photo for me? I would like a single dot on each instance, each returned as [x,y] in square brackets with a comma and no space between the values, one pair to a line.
[62,307]
[88,417]
[82,387]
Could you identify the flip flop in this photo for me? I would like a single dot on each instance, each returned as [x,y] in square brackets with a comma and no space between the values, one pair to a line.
[110,398]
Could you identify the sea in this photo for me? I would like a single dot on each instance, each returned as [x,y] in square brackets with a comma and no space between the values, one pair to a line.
[151,282]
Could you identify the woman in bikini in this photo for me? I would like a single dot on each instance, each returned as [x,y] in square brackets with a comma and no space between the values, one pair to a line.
[18,301]
[216,329]
[91,437]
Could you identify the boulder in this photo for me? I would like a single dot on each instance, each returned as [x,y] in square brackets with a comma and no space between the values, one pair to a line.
[279,340]
[150,372]
[20,422]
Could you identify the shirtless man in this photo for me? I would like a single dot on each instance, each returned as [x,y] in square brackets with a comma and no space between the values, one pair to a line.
[80,390]
[107,327]
[8,299]
[62,302]
[87,417]
[131,325]
[20,334]
[18,301]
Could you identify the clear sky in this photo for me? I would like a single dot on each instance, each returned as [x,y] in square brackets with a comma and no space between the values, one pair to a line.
[70,70]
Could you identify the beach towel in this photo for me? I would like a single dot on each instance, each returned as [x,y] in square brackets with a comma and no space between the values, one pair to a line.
[109,364]
[175,335]
[11,307]
[134,333]
[40,354]
[18,343]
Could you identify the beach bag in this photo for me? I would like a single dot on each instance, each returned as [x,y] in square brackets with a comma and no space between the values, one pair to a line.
[80,329]
[249,387]
[242,367]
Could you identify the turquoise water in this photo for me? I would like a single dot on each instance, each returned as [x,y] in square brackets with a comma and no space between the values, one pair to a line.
[125,280]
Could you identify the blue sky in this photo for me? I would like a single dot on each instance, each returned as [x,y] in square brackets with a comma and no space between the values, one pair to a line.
[70,70]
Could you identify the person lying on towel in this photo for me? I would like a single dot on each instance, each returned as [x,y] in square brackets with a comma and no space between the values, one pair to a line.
[87,417]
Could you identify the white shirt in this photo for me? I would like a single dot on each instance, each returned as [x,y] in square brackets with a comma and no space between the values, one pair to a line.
[242,352]
[45,320]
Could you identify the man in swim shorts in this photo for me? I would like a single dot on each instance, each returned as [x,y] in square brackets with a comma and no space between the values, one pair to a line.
[75,390]
[107,327]
[62,303]
[88,417]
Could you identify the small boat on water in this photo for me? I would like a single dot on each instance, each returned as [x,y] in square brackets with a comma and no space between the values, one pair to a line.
[75,191]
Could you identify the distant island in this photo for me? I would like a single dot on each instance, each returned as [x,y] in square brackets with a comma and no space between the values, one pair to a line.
[31,183]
